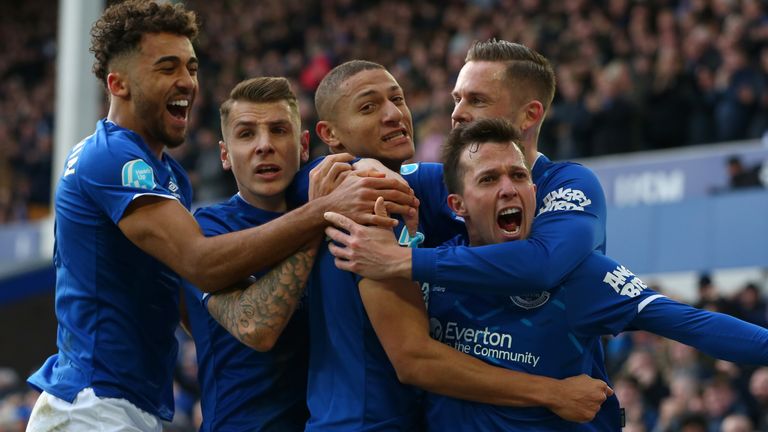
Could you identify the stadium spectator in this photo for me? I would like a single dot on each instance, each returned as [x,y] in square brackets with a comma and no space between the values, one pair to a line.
[423,43]
[741,177]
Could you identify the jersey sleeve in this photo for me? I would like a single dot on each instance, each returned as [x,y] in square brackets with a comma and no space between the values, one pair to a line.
[437,221]
[716,334]
[570,224]
[603,297]
[297,193]
[113,177]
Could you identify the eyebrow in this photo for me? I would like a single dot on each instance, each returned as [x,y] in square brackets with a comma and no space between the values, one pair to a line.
[249,123]
[472,93]
[174,59]
[392,88]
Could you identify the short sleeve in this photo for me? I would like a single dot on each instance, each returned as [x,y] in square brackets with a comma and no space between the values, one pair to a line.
[112,177]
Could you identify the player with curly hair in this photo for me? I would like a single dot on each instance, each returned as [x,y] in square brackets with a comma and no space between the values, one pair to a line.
[125,237]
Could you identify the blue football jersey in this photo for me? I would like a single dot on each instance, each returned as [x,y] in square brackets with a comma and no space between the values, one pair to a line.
[553,333]
[352,386]
[569,225]
[243,389]
[116,306]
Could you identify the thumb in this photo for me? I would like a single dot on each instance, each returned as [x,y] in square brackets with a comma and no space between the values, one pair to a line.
[379,209]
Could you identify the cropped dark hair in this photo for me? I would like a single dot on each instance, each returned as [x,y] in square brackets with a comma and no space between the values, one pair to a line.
[119,29]
[260,90]
[526,68]
[491,130]
[328,90]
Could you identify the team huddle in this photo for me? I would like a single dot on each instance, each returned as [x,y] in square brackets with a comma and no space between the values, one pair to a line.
[355,292]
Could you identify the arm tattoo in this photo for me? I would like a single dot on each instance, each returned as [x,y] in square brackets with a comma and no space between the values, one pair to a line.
[261,308]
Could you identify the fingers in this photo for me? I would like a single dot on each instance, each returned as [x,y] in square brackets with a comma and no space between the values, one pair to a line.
[375,220]
[370,173]
[404,210]
[412,221]
[338,251]
[379,209]
[339,220]
[335,162]
[609,391]
[337,169]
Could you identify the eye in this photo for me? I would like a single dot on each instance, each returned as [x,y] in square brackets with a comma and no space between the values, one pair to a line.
[398,100]
[521,175]
[367,108]
[486,179]
[280,130]
[192,70]
[477,101]
[456,100]
[245,133]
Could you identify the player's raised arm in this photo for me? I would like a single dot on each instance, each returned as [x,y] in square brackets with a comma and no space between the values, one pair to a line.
[559,241]
[167,231]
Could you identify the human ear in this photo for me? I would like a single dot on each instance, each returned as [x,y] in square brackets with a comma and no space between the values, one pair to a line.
[117,84]
[224,155]
[325,131]
[456,203]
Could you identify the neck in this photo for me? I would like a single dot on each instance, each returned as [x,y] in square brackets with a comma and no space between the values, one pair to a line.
[276,203]
[125,118]
[530,139]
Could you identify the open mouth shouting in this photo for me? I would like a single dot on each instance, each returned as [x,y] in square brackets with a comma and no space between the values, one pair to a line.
[179,110]
[510,220]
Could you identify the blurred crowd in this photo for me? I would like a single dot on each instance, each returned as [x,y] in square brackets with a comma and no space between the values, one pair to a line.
[632,75]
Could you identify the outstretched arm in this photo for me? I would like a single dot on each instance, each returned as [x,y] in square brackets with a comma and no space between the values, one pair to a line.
[716,334]
[257,311]
[166,230]
[495,269]
[397,313]
[571,224]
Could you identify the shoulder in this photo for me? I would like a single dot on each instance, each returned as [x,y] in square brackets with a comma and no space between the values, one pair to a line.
[569,186]
[421,169]
[216,219]
[113,152]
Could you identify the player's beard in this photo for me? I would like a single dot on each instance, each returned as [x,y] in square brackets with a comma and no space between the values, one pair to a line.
[152,114]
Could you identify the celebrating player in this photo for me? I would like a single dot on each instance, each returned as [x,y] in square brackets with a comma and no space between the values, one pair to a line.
[552,333]
[124,234]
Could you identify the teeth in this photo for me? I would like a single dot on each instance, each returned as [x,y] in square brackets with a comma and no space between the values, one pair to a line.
[181,103]
[394,135]
[509,211]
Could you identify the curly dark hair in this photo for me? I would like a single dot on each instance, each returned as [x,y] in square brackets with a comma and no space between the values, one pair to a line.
[120,27]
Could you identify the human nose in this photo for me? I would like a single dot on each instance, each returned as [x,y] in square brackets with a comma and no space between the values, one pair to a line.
[263,144]
[393,113]
[187,80]
[507,188]
[460,114]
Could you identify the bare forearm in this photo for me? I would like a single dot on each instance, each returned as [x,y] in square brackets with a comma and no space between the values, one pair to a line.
[258,314]
[223,260]
[441,369]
